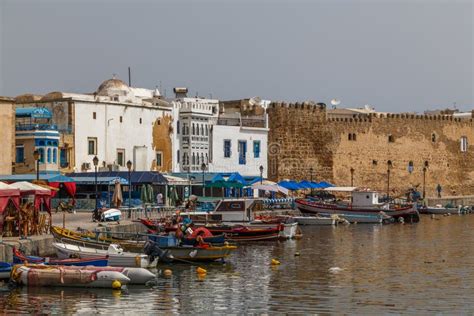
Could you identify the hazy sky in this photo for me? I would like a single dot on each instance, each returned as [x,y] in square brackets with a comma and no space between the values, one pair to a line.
[394,55]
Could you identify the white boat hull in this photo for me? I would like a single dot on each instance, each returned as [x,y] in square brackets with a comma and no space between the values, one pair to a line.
[289,230]
[124,259]
[314,220]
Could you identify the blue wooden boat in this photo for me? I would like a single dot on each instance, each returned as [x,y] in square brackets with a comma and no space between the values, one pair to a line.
[5,269]
[19,258]
[170,241]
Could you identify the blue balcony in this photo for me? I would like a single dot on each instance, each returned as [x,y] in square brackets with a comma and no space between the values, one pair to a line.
[34,127]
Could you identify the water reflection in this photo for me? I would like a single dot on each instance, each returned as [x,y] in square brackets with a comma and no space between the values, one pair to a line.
[383,269]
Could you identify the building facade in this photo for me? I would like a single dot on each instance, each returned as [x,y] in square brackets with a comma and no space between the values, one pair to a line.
[378,150]
[7,130]
[34,131]
[115,123]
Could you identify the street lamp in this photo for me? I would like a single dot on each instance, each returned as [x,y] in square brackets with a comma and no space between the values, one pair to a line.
[36,155]
[389,166]
[96,163]
[129,167]
[352,177]
[203,168]
[424,183]
[261,174]
[311,179]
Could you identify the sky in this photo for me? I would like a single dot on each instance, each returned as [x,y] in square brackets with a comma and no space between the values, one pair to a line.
[393,55]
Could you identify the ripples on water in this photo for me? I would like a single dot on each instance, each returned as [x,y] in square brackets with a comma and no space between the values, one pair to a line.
[420,268]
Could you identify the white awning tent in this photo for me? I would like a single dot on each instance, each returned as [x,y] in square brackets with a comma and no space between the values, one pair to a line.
[341,189]
[24,186]
[173,180]
[270,188]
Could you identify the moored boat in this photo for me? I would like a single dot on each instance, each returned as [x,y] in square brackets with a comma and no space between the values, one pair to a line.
[379,218]
[364,203]
[189,253]
[5,269]
[116,256]
[42,275]
[19,257]
[438,209]
[314,220]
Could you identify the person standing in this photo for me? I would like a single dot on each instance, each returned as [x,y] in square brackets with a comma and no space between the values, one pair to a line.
[438,188]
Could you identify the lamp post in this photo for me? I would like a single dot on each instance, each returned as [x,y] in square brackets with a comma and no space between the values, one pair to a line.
[352,177]
[203,168]
[389,166]
[311,179]
[36,155]
[424,182]
[261,174]
[129,167]
[96,163]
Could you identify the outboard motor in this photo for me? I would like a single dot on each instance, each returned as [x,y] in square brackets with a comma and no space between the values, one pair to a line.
[152,250]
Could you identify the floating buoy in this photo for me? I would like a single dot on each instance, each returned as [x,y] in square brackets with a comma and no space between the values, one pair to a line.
[167,273]
[116,285]
[200,270]
[275,262]
[297,254]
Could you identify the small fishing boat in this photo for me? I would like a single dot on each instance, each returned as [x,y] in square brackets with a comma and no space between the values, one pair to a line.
[362,218]
[111,215]
[42,275]
[364,202]
[438,209]
[19,257]
[5,269]
[246,232]
[188,253]
[116,256]
[315,220]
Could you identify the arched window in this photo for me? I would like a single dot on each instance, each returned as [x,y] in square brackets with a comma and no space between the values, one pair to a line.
[410,166]
[202,129]
[177,128]
[426,164]
[177,156]
[41,151]
[354,137]
[207,159]
[391,139]
[389,163]
[197,129]
[55,155]
[193,159]
[197,159]
[49,155]
[349,137]
[202,158]
[184,158]
[207,130]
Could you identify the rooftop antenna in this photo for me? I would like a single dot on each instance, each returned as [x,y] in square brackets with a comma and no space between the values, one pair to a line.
[335,103]
[210,95]
[160,86]
[129,77]
[114,76]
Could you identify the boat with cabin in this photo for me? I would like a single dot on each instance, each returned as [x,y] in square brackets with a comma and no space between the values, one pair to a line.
[363,203]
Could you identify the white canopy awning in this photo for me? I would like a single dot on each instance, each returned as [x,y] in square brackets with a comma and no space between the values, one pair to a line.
[270,188]
[341,189]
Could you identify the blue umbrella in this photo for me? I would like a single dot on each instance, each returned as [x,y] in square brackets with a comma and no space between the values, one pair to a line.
[324,184]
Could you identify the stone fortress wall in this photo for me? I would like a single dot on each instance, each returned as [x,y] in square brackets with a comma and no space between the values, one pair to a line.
[303,137]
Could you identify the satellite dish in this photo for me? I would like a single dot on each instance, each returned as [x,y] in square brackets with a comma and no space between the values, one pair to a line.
[255,101]
[335,102]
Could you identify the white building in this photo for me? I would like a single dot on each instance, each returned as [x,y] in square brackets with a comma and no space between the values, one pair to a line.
[115,124]
[192,123]
[224,142]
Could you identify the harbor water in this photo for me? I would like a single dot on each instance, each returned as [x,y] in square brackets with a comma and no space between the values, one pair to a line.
[362,269]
